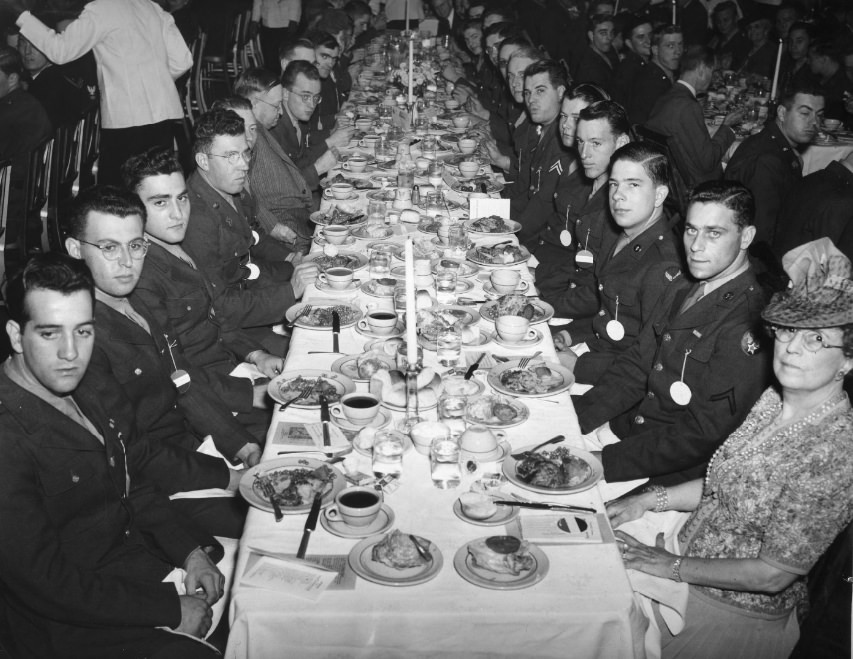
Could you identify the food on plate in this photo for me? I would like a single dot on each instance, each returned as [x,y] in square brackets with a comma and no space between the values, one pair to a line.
[492,409]
[390,387]
[357,183]
[293,387]
[513,304]
[553,469]
[371,231]
[431,322]
[491,224]
[408,216]
[370,363]
[325,261]
[503,554]
[295,487]
[382,286]
[499,254]
[322,316]
[339,216]
[429,225]
[477,505]
[398,551]
[538,380]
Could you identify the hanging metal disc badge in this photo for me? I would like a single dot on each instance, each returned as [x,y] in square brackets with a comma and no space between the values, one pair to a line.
[256,238]
[254,271]
[584,258]
[566,238]
[615,330]
[180,378]
[679,391]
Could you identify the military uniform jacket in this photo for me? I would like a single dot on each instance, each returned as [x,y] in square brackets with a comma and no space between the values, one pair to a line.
[222,242]
[652,82]
[596,68]
[177,296]
[298,149]
[626,76]
[84,551]
[141,363]
[767,164]
[726,370]
[637,277]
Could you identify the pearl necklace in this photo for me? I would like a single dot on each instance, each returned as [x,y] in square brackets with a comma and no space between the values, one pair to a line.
[774,431]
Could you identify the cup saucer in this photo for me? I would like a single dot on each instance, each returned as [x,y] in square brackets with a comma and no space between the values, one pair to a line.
[323,286]
[322,241]
[503,449]
[524,343]
[381,420]
[384,520]
[490,291]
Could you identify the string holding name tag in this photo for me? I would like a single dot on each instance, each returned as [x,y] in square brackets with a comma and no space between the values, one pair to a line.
[180,378]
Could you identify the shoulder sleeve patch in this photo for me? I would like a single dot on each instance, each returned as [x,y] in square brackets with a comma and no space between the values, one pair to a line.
[749,343]
[557,167]
[672,273]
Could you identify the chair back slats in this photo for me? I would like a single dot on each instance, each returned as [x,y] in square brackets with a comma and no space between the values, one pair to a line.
[5,183]
[90,138]
[64,172]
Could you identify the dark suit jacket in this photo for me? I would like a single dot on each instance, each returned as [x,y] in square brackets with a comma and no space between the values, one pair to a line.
[82,555]
[767,165]
[626,76]
[220,240]
[726,370]
[595,68]
[697,155]
[651,84]
[298,149]
[141,364]
[23,124]
[63,98]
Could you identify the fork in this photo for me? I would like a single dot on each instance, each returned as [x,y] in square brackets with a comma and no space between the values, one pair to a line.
[302,313]
[524,362]
[309,388]
[269,493]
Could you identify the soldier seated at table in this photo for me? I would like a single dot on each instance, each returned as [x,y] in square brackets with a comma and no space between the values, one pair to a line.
[636,266]
[250,273]
[698,364]
[87,542]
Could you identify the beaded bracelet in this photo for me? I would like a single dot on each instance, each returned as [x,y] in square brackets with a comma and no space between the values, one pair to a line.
[661,497]
[675,573]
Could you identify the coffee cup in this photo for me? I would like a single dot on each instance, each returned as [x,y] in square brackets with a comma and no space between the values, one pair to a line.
[461,122]
[339,191]
[379,322]
[369,141]
[363,125]
[469,168]
[444,234]
[335,234]
[514,329]
[451,104]
[508,281]
[481,443]
[467,145]
[358,408]
[422,164]
[336,278]
[356,164]
[425,432]
[356,506]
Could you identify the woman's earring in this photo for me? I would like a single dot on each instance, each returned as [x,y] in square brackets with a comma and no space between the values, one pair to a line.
[840,375]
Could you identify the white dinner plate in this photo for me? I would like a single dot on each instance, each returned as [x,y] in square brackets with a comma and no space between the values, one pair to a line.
[475,256]
[522,412]
[344,259]
[349,314]
[478,576]
[515,227]
[596,475]
[348,365]
[252,493]
[362,563]
[283,388]
[561,379]
[542,311]
[504,514]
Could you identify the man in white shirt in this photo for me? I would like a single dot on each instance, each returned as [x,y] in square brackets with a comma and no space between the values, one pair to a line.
[275,21]
[140,53]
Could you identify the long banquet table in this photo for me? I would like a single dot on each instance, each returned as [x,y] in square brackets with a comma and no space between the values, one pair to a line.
[583,607]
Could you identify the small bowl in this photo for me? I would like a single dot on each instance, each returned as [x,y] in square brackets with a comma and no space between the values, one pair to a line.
[832,125]
[451,104]
[480,442]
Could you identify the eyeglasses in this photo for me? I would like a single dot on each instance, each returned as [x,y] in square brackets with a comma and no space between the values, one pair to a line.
[112,251]
[274,106]
[308,99]
[813,341]
[235,157]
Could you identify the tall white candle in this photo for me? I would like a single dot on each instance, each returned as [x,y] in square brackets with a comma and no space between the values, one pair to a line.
[411,305]
[774,89]
[673,13]
[411,67]
[407,15]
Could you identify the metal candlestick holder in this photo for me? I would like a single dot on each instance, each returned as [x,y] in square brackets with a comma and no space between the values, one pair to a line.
[412,418]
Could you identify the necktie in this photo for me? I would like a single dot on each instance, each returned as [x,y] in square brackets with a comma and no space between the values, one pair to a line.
[694,296]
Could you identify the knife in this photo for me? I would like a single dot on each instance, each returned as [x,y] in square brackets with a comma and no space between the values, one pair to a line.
[336,330]
[324,417]
[473,368]
[546,506]
[310,525]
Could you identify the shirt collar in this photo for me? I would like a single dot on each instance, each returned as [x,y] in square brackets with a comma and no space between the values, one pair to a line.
[717,283]
[688,85]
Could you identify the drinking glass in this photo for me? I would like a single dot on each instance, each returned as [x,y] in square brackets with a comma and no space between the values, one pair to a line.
[388,453]
[375,213]
[445,285]
[457,237]
[449,345]
[379,265]
[444,464]
[400,300]
[435,174]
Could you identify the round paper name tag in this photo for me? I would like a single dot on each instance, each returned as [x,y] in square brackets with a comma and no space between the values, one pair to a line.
[615,330]
[584,258]
[680,393]
[565,238]
[181,380]
[256,238]
[254,271]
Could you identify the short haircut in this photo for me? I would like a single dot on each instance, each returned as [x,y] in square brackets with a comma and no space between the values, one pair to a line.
[808,28]
[595,4]
[296,68]
[613,113]
[51,271]
[514,38]
[156,161]
[232,103]
[322,39]
[288,47]
[10,61]
[830,48]
[588,92]
[214,123]
[726,5]
[600,19]
[696,57]
[634,21]
[663,30]
[729,194]
[334,21]
[653,160]
[505,13]
[356,8]
[471,24]
[106,199]
[789,94]
[501,29]
[796,6]
[255,81]
[527,51]
[556,72]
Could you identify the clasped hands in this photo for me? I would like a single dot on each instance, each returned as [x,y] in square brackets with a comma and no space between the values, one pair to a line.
[205,585]
[654,560]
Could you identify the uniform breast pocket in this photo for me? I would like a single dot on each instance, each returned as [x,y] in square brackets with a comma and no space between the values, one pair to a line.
[74,495]
[183,309]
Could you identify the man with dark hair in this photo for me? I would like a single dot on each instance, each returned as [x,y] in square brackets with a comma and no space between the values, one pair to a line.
[23,121]
[301,95]
[328,50]
[787,14]
[730,47]
[296,49]
[88,542]
[826,62]
[655,80]
[678,115]
[228,244]
[769,163]
[362,23]
[637,35]
[697,366]
[598,62]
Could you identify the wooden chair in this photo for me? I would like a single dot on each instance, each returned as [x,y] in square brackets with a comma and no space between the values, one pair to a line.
[221,62]
[5,183]
[64,165]
[90,140]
